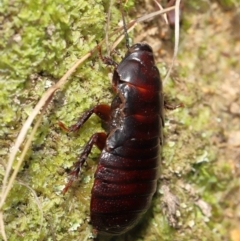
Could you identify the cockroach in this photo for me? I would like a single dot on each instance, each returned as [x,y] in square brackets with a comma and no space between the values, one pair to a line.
[128,168]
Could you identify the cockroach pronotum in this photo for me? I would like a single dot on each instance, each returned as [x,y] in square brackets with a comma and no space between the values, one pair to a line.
[128,168]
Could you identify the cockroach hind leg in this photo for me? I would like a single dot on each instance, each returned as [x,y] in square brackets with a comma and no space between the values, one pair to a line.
[73,175]
[98,139]
[67,186]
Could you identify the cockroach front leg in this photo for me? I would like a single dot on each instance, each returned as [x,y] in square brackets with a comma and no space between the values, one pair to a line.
[98,139]
[102,111]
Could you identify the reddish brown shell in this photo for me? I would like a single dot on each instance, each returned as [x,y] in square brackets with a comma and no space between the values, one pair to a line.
[127,173]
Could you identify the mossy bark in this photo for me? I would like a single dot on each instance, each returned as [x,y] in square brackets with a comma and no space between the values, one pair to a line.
[39,42]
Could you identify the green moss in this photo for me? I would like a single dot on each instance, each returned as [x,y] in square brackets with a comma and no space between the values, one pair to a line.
[228,4]
[39,43]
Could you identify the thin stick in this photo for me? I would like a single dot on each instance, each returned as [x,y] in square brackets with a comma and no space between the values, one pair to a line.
[161,8]
[107,27]
[176,37]
[125,27]
[2,229]
[153,14]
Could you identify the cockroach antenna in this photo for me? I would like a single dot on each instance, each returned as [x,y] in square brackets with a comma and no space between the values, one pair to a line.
[125,27]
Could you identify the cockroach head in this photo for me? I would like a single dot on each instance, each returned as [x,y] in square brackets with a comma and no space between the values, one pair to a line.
[140,47]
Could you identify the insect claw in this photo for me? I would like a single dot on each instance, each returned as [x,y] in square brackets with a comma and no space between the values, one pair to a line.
[72,177]
[63,127]
[69,184]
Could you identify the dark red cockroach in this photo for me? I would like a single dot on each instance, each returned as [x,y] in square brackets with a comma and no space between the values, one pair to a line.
[128,168]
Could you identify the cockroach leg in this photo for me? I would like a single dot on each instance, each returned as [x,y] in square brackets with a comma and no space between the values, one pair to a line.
[169,106]
[106,60]
[97,139]
[102,111]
